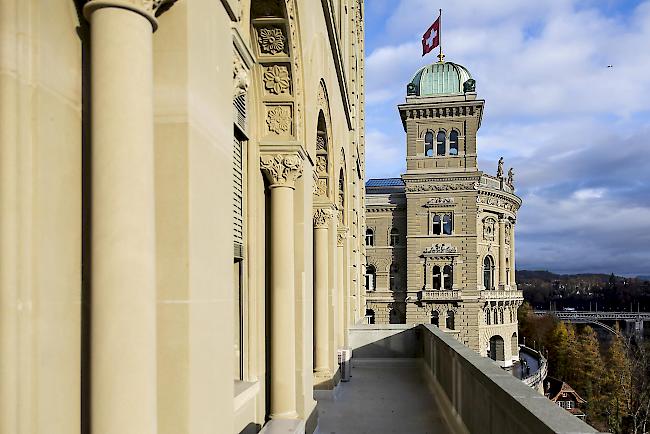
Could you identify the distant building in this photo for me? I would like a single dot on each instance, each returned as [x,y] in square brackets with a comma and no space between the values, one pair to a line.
[440,239]
[564,396]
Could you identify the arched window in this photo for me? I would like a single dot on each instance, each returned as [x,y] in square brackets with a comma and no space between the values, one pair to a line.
[447,276]
[453,143]
[370,315]
[435,283]
[450,319]
[434,318]
[496,317]
[436,225]
[394,271]
[441,145]
[488,271]
[394,237]
[501,317]
[428,144]
[488,318]
[370,237]
[447,224]
[496,348]
[371,277]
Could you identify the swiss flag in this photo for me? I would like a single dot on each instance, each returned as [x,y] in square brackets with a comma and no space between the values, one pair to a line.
[431,38]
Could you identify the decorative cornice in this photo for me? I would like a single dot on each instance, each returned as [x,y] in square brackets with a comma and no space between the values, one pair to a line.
[440,250]
[442,187]
[322,217]
[150,9]
[281,170]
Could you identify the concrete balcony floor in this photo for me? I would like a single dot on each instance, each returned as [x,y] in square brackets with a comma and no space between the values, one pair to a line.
[383,396]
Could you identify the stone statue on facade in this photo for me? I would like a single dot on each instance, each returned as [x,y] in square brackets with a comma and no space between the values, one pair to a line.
[511,177]
[500,168]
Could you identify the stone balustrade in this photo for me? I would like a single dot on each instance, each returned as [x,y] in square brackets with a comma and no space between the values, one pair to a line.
[489,295]
[439,295]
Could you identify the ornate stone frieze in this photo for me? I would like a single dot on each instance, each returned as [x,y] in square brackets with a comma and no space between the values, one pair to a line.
[281,169]
[439,201]
[276,79]
[321,144]
[278,119]
[320,188]
[271,40]
[322,217]
[442,187]
[497,200]
[240,77]
[440,249]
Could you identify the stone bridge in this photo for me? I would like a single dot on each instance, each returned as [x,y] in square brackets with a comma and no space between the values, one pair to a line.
[596,317]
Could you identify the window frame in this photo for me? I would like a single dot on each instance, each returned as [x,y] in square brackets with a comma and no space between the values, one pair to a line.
[370,235]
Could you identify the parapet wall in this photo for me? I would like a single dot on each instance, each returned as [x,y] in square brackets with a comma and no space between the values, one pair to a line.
[475,394]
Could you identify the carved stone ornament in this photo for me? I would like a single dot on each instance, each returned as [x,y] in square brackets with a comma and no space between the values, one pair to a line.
[340,239]
[276,79]
[439,201]
[507,240]
[240,78]
[488,229]
[271,40]
[278,119]
[438,249]
[442,187]
[321,187]
[321,164]
[281,169]
[321,144]
[322,217]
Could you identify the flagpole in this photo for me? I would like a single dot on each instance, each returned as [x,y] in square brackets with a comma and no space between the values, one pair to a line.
[440,56]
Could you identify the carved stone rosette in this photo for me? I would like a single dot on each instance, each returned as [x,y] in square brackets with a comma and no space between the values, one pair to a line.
[281,170]
[322,217]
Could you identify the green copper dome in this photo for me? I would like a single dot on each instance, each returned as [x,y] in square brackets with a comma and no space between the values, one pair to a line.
[445,78]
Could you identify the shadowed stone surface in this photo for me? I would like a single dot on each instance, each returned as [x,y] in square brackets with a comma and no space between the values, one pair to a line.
[383,396]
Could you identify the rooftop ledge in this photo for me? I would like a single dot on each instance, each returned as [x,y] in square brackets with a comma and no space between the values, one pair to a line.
[462,392]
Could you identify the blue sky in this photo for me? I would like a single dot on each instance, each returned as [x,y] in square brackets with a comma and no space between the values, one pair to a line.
[576,132]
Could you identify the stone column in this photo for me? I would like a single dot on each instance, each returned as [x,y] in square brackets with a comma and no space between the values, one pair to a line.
[340,269]
[322,219]
[282,170]
[502,253]
[513,282]
[123,255]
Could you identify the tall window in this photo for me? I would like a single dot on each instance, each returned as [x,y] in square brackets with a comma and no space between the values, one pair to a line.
[488,318]
[447,224]
[428,144]
[450,320]
[501,317]
[371,277]
[370,314]
[488,272]
[370,237]
[453,143]
[394,271]
[436,225]
[436,277]
[448,276]
[441,144]
[394,237]
[434,318]
[507,272]
[496,318]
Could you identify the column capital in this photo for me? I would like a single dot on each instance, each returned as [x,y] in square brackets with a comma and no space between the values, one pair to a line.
[322,217]
[281,170]
[150,9]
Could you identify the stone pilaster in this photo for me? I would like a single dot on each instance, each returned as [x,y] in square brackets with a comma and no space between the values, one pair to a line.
[123,253]
[513,281]
[282,170]
[502,253]
[341,237]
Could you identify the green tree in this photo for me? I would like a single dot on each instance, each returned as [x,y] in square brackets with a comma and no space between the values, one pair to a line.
[617,388]
[591,371]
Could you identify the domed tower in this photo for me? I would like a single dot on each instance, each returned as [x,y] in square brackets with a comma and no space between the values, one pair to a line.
[459,221]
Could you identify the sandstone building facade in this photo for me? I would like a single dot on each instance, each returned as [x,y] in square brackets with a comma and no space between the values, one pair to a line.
[181,211]
[440,239]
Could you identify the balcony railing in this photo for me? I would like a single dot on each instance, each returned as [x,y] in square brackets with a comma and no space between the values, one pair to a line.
[535,380]
[502,295]
[439,295]
[469,393]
